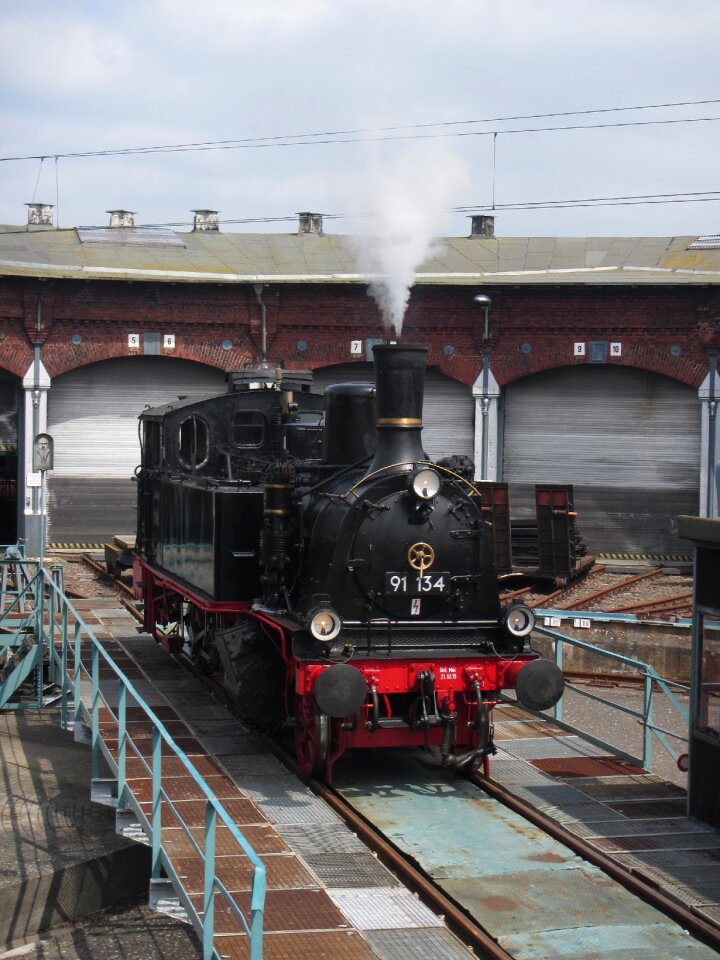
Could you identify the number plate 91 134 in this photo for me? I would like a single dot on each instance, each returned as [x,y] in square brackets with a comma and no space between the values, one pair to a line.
[416,584]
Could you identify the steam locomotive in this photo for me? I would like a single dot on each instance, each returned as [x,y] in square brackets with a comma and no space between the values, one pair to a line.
[305,551]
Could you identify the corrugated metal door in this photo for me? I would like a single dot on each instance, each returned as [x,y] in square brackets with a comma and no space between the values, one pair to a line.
[92,416]
[9,386]
[448,409]
[629,440]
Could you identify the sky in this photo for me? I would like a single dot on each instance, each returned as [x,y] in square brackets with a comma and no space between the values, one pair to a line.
[96,75]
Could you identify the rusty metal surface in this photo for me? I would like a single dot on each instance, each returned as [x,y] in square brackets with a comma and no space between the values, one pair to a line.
[521,730]
[241,810]
[328,945]
[285,910]
[284,872]
[581,767]
[634,786]
[530,892]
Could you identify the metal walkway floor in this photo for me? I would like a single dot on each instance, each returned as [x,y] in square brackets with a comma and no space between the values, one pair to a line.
[317,870]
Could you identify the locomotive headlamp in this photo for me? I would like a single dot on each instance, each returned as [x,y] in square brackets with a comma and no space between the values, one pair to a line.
[325,624]
[518,620]
[426,484]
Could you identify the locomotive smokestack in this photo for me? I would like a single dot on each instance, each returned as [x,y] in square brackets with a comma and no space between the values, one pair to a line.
[400,382]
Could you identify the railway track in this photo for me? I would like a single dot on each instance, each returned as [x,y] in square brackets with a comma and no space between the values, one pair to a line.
[431,892]
[458,917]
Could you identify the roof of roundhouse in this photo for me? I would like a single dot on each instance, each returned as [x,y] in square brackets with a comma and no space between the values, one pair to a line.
[140,254]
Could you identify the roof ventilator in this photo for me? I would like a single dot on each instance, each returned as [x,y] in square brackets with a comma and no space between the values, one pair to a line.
[206,221]
[121,218]
[482,225]
[40,214]
[310,223]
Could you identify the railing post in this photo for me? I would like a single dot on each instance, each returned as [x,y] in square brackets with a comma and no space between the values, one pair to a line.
[51,625]
[78,670]
[647,723]
[209,881]
[558,648]
[122,744]
[95,740]
[156,814]
[40,632]
[256,912]
[64,680]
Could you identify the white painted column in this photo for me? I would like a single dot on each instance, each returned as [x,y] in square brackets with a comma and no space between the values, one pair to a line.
[36,384]
[709,396]
[486,393]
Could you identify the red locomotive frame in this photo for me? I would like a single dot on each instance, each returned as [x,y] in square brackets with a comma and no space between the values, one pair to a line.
[465,689]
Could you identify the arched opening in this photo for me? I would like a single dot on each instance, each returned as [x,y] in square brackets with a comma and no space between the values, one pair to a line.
[92,416]
[627,439]
[9,399]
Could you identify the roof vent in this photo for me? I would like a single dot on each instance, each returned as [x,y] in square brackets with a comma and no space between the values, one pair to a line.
[482,225]
[121,218]
[40,214]
[206,221]
[310,223]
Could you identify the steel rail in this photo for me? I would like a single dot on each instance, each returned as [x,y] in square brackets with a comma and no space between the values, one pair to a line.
[457,919]
[648,605]
[633,879]
[461,923]
[99,568]
[613,588]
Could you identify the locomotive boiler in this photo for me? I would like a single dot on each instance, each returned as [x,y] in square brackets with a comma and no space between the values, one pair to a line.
[305,551]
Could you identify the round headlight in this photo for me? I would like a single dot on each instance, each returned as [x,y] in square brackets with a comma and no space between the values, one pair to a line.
[325,625]
[518,620]
[426,484]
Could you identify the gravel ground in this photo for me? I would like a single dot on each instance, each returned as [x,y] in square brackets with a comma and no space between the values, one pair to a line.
[664,583]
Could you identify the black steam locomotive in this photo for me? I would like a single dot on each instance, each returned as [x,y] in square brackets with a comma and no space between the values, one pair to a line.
[308,553]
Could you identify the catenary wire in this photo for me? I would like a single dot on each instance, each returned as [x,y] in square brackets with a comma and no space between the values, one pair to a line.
[364,134]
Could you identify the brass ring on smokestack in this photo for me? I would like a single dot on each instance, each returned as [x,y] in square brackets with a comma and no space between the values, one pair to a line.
[399,422]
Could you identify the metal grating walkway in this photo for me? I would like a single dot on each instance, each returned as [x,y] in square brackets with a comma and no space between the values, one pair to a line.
[326,894]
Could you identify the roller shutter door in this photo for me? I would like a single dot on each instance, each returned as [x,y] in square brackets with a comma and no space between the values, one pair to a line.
[628,440]
[9,386]
[448,409]
[92,416]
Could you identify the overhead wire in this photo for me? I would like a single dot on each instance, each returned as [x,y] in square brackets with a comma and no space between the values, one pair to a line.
[379,134]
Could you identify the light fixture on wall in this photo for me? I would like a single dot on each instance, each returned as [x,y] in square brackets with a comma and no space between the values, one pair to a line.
[484,301]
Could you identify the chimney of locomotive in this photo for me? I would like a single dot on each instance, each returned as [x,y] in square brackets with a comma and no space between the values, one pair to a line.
[400,383]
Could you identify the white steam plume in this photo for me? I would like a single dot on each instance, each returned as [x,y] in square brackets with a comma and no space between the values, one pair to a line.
[409,200]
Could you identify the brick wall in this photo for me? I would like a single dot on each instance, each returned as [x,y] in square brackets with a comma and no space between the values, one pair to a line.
[667,330]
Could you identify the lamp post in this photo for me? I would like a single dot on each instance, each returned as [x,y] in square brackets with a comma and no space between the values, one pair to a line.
[484,300]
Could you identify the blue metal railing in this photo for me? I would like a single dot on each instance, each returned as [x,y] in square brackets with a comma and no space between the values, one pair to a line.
[652,681]
[90,683]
